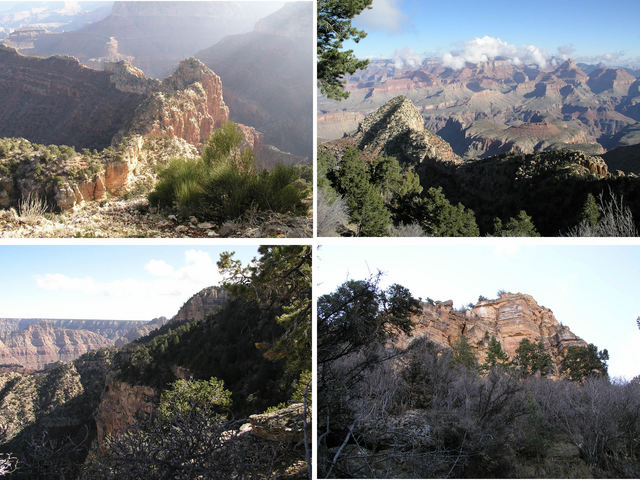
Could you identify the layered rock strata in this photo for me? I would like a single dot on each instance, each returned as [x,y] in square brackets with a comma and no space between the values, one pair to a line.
[145,121]
[39,345]
[203,303]
[509,318]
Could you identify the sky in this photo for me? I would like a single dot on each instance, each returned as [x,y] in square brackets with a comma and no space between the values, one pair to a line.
[106,282]
[585,30]
[594,290]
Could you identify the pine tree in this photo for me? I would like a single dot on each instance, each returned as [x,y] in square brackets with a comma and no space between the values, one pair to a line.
[463,354]
[532,358]
[495,356]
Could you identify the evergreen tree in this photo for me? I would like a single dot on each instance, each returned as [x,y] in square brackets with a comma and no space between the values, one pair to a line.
[364,200]
[441,219]
[334,27]
[532,358]
[582,362]
[495,356]
[464,355]
[359,314]
[590,211]
[518,226]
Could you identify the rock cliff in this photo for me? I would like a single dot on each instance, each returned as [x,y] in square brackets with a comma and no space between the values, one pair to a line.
[206,301]
[491,100]
[39,345]
[510,318]
[121,405]
[56,100]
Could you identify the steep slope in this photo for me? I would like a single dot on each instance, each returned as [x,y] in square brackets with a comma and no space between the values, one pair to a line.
[39,345]
[28,345]
[626,159]
[110,329]
[397,129]
[161,120]
[509,318]
[57,100]
[268,77]
[198,307]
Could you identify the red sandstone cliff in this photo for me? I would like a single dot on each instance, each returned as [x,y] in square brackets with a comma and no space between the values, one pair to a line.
[510,318]
[42,344]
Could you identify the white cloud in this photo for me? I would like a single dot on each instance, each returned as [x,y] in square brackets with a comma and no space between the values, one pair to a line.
[487,48]
[406,57]
[159,268]
[70,8]
[162,293]
[384,15]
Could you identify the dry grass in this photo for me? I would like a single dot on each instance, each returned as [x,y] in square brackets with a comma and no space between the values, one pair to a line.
[31,208]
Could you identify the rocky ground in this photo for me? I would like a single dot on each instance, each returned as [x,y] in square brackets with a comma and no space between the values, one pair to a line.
[135,218]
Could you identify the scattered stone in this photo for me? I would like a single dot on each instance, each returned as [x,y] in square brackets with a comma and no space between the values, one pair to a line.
[182,229]
[205,225]
[193,220]
[172,218]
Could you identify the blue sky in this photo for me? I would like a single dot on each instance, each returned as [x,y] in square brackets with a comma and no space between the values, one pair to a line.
[587,29]
[592,289]
[106,282]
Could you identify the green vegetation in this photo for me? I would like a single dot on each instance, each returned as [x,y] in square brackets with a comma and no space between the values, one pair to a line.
[582,362]
[531,358]
[519,226]
[334,27]
[383,198]
[254,353]
[464,355]
[495,356]
[224,183]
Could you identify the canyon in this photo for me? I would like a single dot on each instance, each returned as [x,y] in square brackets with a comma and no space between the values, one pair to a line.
[496,107]
[143,121]
[550,186]
[29,345]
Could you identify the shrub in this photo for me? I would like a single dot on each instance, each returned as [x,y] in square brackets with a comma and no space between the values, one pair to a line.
[331,213]
[223,184]
[614,219]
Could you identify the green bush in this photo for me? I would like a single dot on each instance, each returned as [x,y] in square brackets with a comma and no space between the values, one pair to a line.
[225,183]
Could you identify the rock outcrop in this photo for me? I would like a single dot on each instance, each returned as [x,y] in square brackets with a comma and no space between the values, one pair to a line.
[397,129]
[282,425]
[144,122]
[122,405]
[509,318]
[203,303]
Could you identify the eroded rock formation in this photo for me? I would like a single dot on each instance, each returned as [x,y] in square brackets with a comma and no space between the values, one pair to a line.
[510,318]
[397,129]
[206,301]
[41,344]
[122,405]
